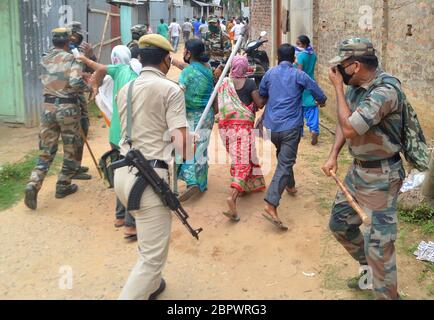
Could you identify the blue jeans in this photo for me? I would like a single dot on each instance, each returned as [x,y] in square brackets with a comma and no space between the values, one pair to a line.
[175,42]
[286,143]
[311,115]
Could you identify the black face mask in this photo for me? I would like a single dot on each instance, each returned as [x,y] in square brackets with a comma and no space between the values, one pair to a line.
[346,77]
[77,39]
[187,60]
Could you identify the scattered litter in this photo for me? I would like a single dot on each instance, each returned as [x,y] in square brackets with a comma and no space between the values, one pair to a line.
[413,181]
[425,251]
[310,275]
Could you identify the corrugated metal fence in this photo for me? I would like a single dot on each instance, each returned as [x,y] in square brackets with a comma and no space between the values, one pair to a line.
[38,18]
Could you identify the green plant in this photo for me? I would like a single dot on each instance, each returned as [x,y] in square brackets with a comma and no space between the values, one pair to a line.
[13,178]
[428,228]
[421,214]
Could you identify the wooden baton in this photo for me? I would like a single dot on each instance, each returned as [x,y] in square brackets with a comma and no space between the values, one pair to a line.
[362,214]
[91,153]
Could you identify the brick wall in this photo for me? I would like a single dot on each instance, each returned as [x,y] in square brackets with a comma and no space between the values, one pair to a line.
[260,20]
[410,58]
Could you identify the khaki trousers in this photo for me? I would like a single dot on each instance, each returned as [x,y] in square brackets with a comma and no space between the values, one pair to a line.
[153,222]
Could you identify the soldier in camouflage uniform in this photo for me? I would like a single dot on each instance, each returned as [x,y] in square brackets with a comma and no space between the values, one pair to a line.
[137,32]
[77,41]
[62,82]
[218,46]
[370,122]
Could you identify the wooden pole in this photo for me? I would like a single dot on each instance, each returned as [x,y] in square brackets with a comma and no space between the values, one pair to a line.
[362,214]
[103,35]
[91,152]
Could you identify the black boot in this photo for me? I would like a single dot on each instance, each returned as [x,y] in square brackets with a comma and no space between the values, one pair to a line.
[159,291]
[31,197]
[81,176]
[63,190]
[83,169]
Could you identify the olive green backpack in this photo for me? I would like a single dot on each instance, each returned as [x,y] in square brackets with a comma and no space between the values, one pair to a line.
[413,142]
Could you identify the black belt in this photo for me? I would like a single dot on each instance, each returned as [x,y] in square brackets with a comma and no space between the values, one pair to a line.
[156,164]
[51,99]
[377,163]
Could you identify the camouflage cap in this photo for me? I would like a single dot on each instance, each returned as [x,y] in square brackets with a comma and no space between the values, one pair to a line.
[213,19]
[139,29]
[155,40]
[75,27]
[61,34]
[353,47]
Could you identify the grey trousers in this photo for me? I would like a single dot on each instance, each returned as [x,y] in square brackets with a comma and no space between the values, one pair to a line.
[286,143]
[154,223]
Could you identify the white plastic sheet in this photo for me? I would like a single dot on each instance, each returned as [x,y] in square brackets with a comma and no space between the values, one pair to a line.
[413,181]
[104,99]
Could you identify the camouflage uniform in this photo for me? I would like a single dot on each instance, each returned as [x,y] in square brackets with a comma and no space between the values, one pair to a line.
[137,31]
[84,121]
[61,79]
[217,45]
[377,119]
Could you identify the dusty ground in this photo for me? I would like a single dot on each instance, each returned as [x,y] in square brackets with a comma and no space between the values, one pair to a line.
[249,260]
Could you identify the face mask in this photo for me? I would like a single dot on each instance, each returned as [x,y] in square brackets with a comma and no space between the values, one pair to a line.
[187,60]
[301,49]
[213,28]
[168,65]
[77,39]
[346,77]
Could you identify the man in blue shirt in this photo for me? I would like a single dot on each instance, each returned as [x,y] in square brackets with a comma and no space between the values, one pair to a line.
[196,25]
[284,86]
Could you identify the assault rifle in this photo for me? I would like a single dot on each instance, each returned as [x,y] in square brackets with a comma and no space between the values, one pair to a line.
[147,176]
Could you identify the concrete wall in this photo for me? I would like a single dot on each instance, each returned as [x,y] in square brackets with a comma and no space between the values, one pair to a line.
[410,58]
[407,55]
[260,20]
[301,22]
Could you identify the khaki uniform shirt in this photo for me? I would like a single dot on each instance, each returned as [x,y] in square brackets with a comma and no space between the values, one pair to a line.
[158,108]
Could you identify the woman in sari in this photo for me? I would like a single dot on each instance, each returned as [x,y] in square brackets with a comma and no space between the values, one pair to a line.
[197,82]
[238,101]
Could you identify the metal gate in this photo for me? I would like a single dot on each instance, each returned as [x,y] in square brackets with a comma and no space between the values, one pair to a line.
[157,11]
[12,106]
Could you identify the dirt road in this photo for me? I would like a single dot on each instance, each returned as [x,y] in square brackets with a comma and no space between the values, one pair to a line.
[248,260]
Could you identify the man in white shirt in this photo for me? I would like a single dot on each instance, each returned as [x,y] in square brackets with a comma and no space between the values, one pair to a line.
[174,31]
[187,27]
[237,29]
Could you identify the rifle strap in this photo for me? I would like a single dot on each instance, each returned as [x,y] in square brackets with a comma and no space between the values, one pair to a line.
[130,110]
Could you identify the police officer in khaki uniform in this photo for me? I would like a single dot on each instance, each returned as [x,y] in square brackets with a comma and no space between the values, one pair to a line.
[159,117]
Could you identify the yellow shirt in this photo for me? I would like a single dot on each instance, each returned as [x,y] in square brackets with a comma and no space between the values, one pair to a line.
[158,108]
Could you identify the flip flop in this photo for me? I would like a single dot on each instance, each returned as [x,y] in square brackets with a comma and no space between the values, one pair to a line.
[277,223]
[190,192]
[231,216]
[119,225]
[131,237]
[291,193]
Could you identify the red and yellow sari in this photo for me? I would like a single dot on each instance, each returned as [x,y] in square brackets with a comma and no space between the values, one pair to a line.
[236,123]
